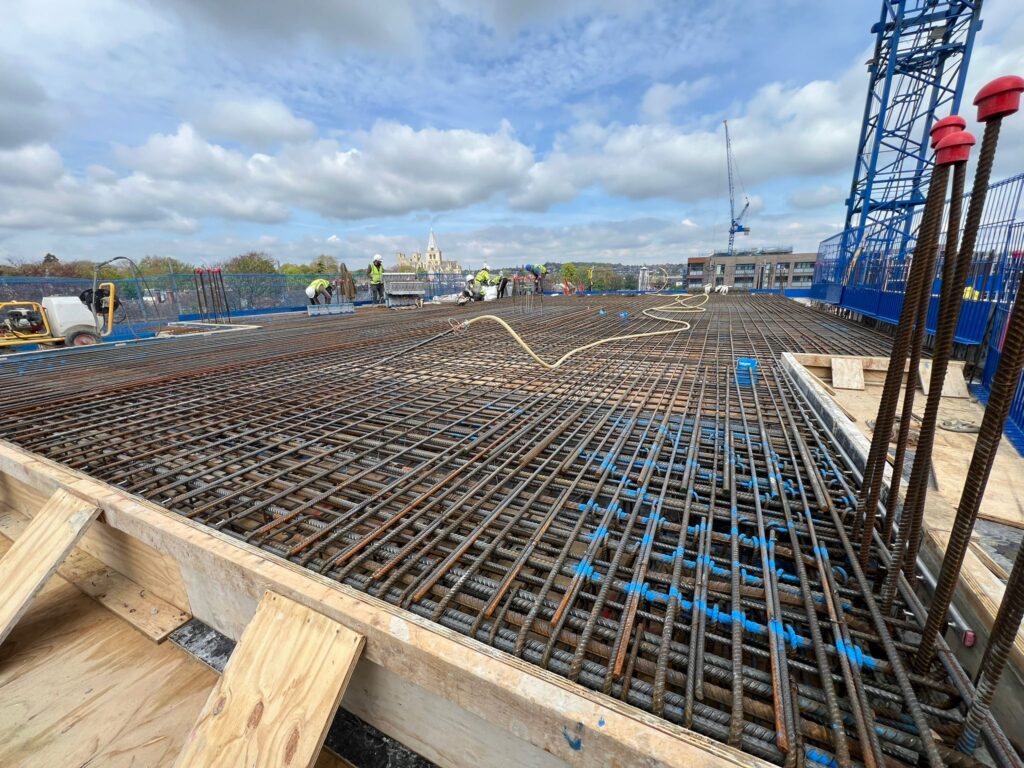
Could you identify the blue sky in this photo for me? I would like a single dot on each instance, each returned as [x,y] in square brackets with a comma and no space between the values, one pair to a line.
[520,131]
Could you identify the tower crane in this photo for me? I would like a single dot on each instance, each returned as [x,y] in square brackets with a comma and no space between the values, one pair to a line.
[735,222]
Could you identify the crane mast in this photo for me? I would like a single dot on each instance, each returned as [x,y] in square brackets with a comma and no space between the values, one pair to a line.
[734,220]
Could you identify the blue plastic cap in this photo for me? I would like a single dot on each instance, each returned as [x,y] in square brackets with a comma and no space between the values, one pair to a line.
[529,267]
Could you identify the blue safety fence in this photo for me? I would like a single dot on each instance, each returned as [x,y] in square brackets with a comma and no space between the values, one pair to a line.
[871,279]
[164,298]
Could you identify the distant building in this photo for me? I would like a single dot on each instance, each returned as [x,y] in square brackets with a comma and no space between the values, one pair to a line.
[431,261]
[763,269]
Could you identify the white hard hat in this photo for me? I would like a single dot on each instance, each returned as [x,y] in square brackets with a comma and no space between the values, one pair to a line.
[486,267]
[377,257]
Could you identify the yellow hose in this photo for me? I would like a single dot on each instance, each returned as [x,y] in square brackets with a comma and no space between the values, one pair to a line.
[678,305]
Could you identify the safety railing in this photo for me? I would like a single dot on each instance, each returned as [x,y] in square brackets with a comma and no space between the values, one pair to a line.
[153,299]
[871,280]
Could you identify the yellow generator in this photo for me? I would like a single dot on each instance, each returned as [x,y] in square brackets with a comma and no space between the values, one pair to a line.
[59,320]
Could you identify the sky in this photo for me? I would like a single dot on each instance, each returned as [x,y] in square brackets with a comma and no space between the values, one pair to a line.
[536,130]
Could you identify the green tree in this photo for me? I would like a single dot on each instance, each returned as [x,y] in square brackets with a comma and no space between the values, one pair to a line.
[325,265]
[569,273]
[250,275]
[162,265]
[254,262]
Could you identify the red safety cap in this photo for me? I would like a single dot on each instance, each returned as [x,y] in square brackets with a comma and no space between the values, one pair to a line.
[199,270]
[999,98]
[954,148]
[946,126]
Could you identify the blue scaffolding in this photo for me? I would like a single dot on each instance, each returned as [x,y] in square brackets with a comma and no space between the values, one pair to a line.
[917,72]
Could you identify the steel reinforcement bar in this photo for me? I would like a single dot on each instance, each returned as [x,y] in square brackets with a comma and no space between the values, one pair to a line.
[657,519]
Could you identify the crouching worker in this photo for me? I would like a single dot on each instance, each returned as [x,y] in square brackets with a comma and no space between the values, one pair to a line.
[319,288]
[472,292]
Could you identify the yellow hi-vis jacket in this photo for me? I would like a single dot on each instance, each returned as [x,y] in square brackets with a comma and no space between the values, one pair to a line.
[376,273]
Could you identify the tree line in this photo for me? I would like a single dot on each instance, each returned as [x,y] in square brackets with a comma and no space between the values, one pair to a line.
[149,266]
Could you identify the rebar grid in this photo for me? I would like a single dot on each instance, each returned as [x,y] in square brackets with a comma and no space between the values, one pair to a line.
[642,521]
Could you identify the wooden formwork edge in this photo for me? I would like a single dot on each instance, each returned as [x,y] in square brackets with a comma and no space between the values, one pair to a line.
[225,579]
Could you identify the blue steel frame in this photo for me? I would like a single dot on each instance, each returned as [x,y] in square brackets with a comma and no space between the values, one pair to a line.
[922,48]
[872,284]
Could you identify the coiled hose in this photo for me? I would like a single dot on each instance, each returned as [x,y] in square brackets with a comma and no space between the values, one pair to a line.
[679,305]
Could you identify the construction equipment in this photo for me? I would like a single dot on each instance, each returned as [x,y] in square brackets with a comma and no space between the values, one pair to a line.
[735,222]
[403,289]
[60,320]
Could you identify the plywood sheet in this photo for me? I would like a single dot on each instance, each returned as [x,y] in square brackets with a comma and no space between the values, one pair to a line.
[953,385]
[151,615]
[279,691]
[847,373]
[150,569]
[79,686]
[35,556]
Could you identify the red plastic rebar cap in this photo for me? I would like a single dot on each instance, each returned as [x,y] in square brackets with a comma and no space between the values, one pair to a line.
[954,148]
[999,98]
[946,126]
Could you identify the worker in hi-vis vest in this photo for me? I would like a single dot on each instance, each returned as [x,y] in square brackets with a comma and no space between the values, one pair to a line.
[538,273]
[499,280]
[319,288]
[483,277]
[376,273]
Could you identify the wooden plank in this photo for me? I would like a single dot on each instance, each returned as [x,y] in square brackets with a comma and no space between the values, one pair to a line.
[328,759]
[35,556]
[227,577]
[153,571]
[847,373]
[151,615]
[953,385]
[80,687]
[987,559]
[279,691]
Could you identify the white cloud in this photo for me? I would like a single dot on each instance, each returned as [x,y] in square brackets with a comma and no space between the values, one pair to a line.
[334,22]
[176,180]
[27,115]
[662,99]
[783,131]
[257,123]
[185,156]
[815,197]
[34,165]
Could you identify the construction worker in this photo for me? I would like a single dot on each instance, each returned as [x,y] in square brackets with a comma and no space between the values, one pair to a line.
[472,291]
[538,273]
[376,274]
[483,277]
[320,287]
[501,281]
